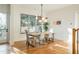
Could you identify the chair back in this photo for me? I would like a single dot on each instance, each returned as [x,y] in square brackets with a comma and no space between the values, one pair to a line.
[27,37]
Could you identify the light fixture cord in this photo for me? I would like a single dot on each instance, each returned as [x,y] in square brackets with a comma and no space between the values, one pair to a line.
[41,10]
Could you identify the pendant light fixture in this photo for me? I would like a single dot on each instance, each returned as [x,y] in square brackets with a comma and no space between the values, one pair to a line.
[41,18]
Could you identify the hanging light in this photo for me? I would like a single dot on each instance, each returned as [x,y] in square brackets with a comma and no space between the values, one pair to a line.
[41,18]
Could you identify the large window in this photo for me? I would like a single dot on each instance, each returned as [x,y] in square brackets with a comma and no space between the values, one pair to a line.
[29,22]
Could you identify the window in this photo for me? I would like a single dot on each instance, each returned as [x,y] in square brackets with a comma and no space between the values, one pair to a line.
[28,22]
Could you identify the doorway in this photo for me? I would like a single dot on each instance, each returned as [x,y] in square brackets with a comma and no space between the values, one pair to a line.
[3,28]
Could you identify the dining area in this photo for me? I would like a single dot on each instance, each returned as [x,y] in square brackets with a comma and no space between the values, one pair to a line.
[40,42]
[36,39]
[36,29]
[40,35]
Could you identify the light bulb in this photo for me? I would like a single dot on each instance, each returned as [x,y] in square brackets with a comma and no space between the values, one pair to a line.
[40,21]
[45,20]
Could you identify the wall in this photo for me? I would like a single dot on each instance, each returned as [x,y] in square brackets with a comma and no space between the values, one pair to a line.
[67,17]
[4,8]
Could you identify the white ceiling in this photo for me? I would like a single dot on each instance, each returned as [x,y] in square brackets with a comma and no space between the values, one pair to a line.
[46,7]
[52,7]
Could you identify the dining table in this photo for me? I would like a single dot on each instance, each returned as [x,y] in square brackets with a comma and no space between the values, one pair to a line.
[46,34]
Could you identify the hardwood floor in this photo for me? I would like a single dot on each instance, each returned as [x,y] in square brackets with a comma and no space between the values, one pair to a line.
[56,47]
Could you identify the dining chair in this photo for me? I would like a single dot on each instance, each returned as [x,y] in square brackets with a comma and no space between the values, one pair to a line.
[37,38]
[51,37]
[29,40]
[46,37]
[42,39]
[32,40]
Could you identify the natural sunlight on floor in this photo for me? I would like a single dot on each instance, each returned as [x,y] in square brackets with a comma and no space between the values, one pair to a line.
[4,48]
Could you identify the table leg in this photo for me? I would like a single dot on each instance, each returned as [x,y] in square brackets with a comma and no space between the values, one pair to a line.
[53,37]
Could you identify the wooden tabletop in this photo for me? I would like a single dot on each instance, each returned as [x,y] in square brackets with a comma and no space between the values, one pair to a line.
[38,33]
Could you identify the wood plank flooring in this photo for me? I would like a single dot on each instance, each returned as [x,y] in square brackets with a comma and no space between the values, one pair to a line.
[56,47]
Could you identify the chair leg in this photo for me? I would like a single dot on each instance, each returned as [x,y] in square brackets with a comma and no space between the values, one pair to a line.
[27,44]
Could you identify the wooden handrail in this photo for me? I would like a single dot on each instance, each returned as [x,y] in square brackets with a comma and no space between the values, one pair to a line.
[74,42]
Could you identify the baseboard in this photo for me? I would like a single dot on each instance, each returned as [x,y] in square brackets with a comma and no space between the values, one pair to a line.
[3,41]
[64,40]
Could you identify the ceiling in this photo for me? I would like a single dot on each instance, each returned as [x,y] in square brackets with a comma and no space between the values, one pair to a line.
[46,7]
[52,7]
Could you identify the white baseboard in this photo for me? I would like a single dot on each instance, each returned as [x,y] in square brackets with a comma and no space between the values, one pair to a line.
[3,41]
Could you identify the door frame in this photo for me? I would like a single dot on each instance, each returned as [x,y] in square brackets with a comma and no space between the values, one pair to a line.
[7,30]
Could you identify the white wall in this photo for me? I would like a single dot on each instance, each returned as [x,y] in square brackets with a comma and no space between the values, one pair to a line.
[4,8]
[66,15]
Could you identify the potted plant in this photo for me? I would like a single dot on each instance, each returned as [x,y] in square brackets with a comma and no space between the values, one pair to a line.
[46,26]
